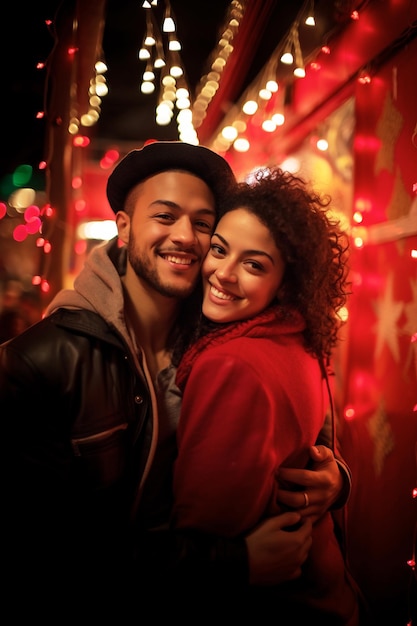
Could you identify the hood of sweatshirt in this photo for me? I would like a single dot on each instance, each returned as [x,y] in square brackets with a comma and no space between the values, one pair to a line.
[98,286]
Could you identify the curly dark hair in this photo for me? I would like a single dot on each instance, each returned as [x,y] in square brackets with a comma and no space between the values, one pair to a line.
[313,245]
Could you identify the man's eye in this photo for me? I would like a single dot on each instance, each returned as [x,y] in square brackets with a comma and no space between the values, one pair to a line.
[164,216]
[205,226]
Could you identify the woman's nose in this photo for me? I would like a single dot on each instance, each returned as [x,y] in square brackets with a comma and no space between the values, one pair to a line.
[226,271]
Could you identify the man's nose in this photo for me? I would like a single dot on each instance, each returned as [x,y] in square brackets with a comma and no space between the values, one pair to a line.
[183,231]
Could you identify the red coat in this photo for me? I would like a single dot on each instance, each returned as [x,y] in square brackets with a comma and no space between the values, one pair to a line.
[253,401]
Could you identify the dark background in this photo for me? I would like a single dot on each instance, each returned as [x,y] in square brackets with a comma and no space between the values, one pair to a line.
[126,114]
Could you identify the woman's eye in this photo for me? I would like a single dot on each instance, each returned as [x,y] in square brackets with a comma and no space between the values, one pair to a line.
[216,249]
[254,265]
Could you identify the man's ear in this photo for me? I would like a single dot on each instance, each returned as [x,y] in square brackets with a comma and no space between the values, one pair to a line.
[123,226]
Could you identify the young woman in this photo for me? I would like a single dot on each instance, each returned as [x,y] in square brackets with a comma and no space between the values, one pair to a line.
[254,388]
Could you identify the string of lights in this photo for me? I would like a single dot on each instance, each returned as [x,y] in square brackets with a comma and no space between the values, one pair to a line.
[161,51]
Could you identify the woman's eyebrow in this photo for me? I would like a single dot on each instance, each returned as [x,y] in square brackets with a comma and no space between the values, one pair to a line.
[254,252]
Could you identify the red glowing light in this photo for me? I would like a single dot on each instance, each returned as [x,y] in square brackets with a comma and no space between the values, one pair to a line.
[110,157]
[80,247]
[80,141]
[36,280]
[45,286]
[363,204]
[354,15]
[77,182]
[3,210]
[20,233]
[31,212]
[40,242]
[349,413]
[47,210]
[364,78]
[47,247]
[42,165]
[325,49]
[34,225]
[40,115]
[80,205]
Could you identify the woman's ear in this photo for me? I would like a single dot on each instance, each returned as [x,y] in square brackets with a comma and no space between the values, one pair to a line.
[123,226]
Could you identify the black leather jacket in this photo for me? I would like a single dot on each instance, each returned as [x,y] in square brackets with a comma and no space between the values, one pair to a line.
[78,424]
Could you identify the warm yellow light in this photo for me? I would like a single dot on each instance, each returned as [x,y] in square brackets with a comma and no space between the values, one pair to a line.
[144,54]
[102,90]
[250,107]
[343,314]
[241,145]
[147,87]
[183,103]
[287,58]
[176,71]
[168,25]
[268,126]
[100,230]
[230,133]
[174,44]
[182,92]
[272,86]
[168,80]
[265,94]
[299,72]
[100,67]
[278,118]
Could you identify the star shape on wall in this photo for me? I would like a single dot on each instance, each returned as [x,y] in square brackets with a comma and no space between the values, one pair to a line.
[381,434]
[388,313]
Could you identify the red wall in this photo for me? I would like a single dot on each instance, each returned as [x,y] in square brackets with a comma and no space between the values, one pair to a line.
[380,359]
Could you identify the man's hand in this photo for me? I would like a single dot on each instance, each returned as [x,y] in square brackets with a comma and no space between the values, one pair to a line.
[276,551]
[317,488]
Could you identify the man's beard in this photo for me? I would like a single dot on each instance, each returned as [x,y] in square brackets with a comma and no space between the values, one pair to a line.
[142,269]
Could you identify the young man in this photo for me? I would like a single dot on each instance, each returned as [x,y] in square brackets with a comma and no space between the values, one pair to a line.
[91,409]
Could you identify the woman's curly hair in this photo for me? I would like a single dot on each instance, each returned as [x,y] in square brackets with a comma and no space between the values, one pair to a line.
[312,244]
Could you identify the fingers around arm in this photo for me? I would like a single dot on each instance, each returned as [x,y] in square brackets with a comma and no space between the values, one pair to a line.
[277,548]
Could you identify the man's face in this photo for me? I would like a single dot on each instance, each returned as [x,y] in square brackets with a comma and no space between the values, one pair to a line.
[168,234]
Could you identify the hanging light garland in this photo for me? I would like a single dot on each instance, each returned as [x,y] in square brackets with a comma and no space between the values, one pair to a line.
[161,49]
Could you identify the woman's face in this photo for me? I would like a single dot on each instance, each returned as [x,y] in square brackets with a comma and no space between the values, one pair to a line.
[242,270]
